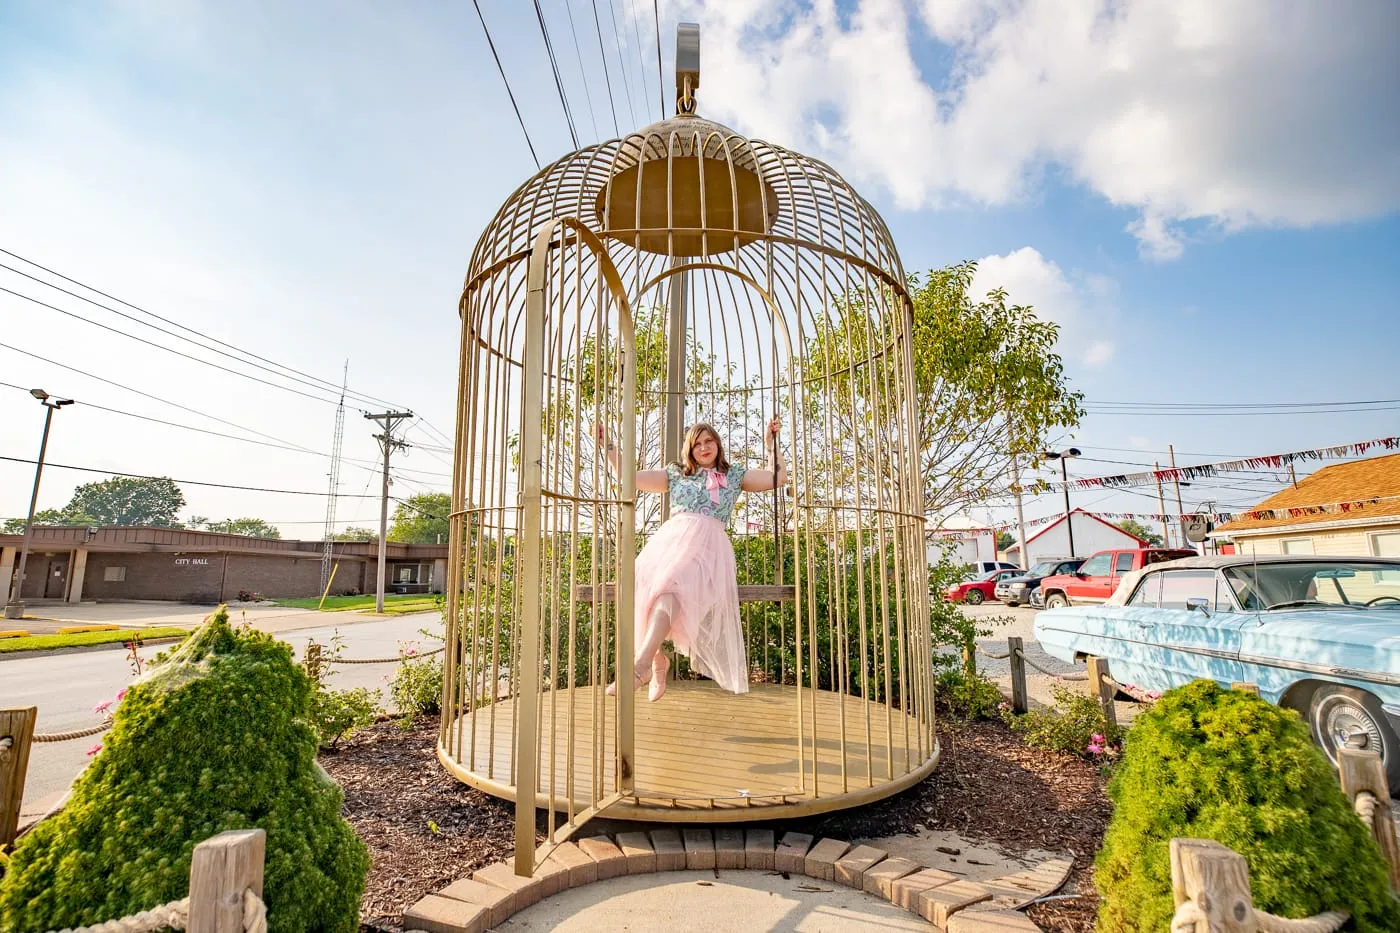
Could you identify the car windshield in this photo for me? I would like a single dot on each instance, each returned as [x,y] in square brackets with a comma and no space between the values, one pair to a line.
[989,575]
[1317,584]
[1043,569]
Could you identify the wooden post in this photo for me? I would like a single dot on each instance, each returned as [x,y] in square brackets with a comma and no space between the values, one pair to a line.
[1101,688]
[221,870]
[16,737]
[314,662]
[1246,686]
[1361,771]
[1019,702]
[1217,881]
[969,653]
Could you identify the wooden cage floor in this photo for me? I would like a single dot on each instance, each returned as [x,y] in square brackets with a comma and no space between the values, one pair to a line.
[703,753]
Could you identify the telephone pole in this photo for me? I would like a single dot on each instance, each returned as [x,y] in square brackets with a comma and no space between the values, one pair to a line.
[387,443]
[1020,512]
[1162,504]
[1176,483]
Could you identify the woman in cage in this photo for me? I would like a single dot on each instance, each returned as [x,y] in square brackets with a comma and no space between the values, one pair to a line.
[687,587]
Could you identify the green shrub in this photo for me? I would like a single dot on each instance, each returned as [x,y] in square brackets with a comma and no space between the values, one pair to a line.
[1218,764]
[338,713]
[967,696]
[417,686]
[213,738]
[1074,724]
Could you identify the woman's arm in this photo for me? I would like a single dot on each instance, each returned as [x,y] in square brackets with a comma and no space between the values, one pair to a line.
[646,480]
[774,473]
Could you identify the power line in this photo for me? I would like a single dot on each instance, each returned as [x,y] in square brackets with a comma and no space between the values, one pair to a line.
[166,320]
[185,482]
[1381,401]
[598,26]
[583,74]
[660,81]
[621,64]
[161,346]
[506,81]
[272,442]
[641,62]
[554,66]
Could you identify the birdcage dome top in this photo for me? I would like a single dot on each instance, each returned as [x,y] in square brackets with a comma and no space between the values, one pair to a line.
[691,187]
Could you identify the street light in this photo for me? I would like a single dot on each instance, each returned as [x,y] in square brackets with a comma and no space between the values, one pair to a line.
[1062,456]
[14,609]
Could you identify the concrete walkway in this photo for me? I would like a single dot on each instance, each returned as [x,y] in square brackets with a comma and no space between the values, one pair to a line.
[715,902]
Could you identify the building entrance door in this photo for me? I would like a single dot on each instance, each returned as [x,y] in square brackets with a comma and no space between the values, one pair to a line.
[56,580]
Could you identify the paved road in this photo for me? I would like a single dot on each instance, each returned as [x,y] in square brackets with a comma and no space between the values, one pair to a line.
[65,687]
[1005,621]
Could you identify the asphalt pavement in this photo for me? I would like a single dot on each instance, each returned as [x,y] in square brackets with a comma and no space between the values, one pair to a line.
[66,687]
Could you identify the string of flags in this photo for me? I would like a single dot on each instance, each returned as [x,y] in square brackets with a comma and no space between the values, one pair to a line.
[1269,461]
[1215,518]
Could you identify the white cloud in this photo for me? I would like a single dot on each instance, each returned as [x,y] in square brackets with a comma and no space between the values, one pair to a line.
[1240,114]
[1081,305]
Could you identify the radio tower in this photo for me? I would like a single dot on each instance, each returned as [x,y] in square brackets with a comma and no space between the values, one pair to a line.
[335,482]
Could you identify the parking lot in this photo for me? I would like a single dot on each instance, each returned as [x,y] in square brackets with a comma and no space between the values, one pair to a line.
[1004,622]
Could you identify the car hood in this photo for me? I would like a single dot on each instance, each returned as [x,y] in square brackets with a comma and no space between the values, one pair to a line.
[1361,638]
[1022,579]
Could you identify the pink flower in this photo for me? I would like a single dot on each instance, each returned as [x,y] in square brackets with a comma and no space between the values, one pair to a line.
[102,707]
[121,694]
[411,651]
[94,750]
[1095,748]
[1097,739]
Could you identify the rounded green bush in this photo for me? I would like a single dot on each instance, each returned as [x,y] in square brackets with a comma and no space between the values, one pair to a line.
[212,738]
[1225,765]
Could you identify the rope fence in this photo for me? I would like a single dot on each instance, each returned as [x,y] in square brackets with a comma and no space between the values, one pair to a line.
[1210,884]
[388,660]
[74,734]
[225,870]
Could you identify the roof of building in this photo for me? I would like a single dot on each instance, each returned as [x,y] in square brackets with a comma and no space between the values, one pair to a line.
[1061,520]
[137,538]
[1376,477]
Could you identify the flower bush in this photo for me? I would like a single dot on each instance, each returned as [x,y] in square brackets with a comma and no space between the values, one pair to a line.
[417,685]
[1225,765]
[213,738]
[1074,724]
[967,696]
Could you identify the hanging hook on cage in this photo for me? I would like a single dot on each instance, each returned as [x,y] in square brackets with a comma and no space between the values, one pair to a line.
[687,66]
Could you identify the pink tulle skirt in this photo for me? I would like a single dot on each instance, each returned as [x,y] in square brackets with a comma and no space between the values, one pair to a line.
[690,558]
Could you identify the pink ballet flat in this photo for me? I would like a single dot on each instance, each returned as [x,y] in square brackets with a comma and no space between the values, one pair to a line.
[659,667]
[637,681]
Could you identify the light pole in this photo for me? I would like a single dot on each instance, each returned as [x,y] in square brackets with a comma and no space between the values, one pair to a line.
[1062,456]
[14,609]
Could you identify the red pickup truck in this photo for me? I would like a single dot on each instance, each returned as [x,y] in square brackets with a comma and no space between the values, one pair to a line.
[1100,575]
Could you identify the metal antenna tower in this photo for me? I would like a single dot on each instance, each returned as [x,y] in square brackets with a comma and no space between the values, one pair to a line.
[334,481]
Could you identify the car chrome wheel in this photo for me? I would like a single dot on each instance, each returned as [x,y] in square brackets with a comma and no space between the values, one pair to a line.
[1055,601]
[1344,716]
[974,597]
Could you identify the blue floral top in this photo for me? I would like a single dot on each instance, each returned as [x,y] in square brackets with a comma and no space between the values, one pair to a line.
[693,493]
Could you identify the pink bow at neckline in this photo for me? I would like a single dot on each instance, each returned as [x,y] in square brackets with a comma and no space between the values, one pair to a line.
[714,482]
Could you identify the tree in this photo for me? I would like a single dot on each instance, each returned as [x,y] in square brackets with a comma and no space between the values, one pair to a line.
[1005,540]
[251,527]
[129,500]
[990,387]
[15,526]
[356,534]
[421,519]
[1141,531]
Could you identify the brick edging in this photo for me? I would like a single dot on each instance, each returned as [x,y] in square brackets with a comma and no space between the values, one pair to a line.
[494,893]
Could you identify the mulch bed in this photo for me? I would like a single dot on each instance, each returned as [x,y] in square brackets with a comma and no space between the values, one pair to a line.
[989,787]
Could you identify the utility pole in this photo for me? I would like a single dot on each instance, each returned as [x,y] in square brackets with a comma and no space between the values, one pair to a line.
[14,608]
[1180,511]
[387,443]
[1292,475]
[1020,512]
[1162,505]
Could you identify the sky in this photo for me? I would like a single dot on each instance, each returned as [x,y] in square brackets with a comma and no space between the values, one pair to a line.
[1204,196]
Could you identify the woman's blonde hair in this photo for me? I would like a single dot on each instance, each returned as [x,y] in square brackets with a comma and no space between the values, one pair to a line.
[687,463]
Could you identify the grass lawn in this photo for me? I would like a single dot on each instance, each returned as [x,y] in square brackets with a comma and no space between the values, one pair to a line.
[393,605]
[36,642]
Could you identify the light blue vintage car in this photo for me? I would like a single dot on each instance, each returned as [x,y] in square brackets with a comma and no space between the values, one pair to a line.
[1320,635]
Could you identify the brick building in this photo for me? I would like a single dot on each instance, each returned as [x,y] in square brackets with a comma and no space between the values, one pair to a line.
[76,563]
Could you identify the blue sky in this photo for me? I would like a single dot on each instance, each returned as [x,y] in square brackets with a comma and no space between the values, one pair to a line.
[1203,195]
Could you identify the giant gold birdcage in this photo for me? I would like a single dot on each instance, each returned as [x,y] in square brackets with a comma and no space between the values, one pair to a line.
[685,273]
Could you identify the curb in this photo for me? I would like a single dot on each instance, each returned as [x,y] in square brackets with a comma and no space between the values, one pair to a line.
[80,649]
[494,893]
